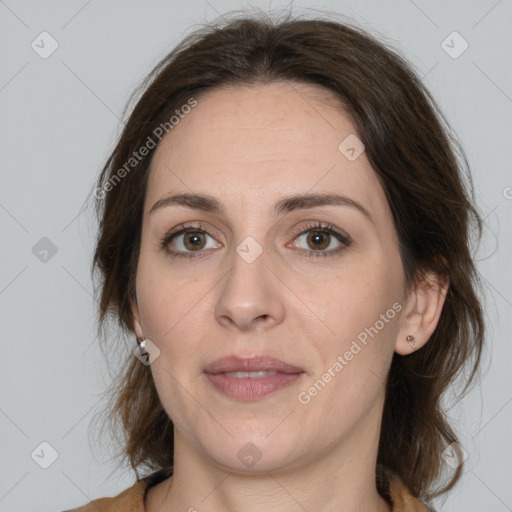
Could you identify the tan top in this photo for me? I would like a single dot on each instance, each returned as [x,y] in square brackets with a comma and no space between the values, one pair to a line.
[132,499]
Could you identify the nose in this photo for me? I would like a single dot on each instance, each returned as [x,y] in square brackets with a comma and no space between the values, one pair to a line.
[250,296]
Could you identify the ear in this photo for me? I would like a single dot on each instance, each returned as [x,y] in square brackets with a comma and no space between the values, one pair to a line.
[136,324]
[422,311]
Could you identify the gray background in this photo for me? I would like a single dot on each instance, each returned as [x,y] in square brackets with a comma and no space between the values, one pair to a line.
[60,117]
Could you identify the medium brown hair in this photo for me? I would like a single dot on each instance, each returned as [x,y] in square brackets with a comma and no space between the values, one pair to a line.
[422,169]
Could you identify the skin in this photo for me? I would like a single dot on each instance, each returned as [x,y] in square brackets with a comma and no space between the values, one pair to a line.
[249,147]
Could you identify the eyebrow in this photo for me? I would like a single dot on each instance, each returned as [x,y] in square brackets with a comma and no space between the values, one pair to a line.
[208,203]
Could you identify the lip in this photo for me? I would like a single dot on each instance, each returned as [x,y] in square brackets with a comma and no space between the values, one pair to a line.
[247,388]
[251,364]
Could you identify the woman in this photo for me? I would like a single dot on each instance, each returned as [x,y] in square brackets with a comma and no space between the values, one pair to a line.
[285,231]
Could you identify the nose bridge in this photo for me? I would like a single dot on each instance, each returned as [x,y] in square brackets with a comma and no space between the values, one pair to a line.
[247,294]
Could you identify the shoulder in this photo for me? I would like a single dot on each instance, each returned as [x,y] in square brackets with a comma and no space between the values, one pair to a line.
[130,500]
[399,495]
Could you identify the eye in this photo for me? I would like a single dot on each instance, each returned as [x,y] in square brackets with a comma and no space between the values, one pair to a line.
[187,240]
[323,240]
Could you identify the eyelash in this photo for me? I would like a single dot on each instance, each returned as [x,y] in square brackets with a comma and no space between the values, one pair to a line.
[319,226]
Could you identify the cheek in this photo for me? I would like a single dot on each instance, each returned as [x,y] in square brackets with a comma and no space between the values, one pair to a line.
[173,318]
[361,311]
[359,296]
[362,316]
[166,301]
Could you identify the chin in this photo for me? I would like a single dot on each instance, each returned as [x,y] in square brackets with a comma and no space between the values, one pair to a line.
[255,453]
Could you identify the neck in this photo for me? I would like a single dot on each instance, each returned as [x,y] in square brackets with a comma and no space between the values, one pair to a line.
[335,481]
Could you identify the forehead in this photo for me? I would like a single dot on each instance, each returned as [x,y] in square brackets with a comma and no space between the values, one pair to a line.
[264,141]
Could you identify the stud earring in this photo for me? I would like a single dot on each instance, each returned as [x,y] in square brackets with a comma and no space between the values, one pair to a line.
[142,345]
[413,339]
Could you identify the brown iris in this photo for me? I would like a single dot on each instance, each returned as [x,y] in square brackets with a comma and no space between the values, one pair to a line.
[316,236]
[194,240]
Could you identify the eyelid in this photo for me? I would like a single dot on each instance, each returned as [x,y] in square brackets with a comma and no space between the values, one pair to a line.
[184,228]
[343,238]
[323,226]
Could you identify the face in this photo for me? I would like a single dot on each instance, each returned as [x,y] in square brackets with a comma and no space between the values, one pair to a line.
[315,284]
